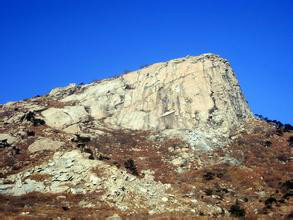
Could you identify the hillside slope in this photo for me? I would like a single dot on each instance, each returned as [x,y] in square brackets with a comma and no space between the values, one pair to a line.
[172,139]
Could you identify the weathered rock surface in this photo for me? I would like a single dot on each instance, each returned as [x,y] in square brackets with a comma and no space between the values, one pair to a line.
[7,138]
[61,118]
[45,144]
[198,94]
[71,172]
[62,172]
[57,92]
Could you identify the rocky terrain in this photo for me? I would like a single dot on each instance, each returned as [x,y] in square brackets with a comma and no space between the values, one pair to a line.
[174,140]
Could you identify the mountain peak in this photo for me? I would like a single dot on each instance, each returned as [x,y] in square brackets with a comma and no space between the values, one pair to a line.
[193,94]
[172,137]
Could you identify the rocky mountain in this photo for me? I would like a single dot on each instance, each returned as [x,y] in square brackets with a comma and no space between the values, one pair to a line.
[173,138]
[197,98]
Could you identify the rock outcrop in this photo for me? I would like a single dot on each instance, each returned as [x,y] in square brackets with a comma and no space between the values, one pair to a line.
[198,97]
[70,172]
[42,144]
[61,118]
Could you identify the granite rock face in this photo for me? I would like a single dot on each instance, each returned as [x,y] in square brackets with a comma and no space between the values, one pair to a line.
[63,117]
[197,96]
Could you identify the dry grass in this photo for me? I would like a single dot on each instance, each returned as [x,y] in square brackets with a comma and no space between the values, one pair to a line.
[262,168]
[120,146]
[139,217]
[265,167]
[40,177]
[51,206]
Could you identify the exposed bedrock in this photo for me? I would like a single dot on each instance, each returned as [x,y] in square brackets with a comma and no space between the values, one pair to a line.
[195,97]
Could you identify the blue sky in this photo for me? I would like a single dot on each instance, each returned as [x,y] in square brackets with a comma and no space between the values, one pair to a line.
[50,43]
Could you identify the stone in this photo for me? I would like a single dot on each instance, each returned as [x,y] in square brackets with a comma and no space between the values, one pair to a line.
[73,129]
[178,161]
[62,197]
[152,212]
[25,213]
[95,180]
[43,143]
[22,134]
[16,118]
[85,204]
[165,199]
[199,96]
[61,118]
[10,103]
[61,90]
[230,160]
[114,217]
[8,138]
[21,188]
[194,201]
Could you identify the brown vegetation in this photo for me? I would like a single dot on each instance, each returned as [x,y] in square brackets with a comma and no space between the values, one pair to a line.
[259,187]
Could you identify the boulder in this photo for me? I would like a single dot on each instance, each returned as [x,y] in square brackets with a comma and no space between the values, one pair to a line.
[7,139]
[57,92]
[42,144]
[114,217]
[61,118]
[73,129]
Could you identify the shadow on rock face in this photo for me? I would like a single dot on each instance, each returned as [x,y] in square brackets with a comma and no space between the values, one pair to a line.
[31,117]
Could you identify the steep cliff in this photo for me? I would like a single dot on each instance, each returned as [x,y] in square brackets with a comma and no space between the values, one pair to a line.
[196,97]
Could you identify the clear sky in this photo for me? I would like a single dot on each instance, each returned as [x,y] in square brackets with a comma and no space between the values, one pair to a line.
[51,43]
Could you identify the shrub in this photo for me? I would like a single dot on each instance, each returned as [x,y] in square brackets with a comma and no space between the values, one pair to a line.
[130,166]
[267,143]
[208,176]
[31,117]
[290,141]
[236,210]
